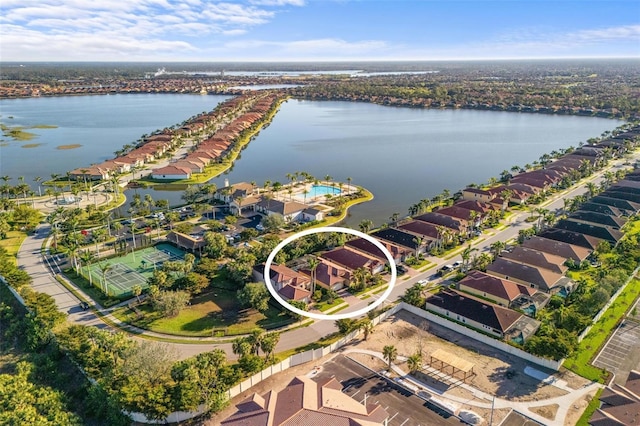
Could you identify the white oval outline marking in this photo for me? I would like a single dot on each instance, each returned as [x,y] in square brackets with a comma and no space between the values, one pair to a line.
[291,238]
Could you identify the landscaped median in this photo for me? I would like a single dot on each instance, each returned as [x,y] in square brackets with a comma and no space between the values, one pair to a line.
[580,361]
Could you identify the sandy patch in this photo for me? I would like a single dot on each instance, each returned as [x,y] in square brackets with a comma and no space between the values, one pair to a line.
[70,146]
[31,145]
[546,411]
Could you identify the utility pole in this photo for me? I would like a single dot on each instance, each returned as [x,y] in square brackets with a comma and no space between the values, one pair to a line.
[493,401]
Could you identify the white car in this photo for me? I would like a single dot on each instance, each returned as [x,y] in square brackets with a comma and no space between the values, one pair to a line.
[423,282]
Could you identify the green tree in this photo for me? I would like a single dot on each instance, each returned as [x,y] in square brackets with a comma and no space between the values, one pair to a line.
[215,245]
[170,303]
[255,295]
[414,362]
[25,403]
[390,353]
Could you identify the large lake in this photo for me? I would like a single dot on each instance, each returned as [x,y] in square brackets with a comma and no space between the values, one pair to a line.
[401,154]
[101,124]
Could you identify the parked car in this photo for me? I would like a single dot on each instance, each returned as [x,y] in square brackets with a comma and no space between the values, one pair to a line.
[84,306]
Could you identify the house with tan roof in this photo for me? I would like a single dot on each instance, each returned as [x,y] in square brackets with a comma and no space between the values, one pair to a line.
[503,292]
[306,402]
[292,211]
[558,248]
[532,276]
[477,194]
[535,257]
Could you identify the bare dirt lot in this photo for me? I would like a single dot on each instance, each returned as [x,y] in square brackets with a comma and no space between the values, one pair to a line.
[497,373]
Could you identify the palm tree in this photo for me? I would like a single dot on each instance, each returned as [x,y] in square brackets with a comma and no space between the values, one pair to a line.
[390,353]
[328,179]
[466,255]
[255,339]
[418,241]
[366,326]
[137,291]
[268,345]
[87,257]
[394,218]
[105,268]
[37,180]
[240,347]
[497,247]
[313,265]
[365,225]
[414,362]
[349,179]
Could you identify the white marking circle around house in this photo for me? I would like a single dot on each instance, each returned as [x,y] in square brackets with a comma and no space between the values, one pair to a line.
[283,302]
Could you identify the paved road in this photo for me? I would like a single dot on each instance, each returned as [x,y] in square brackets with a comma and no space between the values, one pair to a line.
[30,260]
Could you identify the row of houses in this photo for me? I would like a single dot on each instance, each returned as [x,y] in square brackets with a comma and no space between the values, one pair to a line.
[218,145]
[157,145]
[334,271]
[525,278]
[523,186]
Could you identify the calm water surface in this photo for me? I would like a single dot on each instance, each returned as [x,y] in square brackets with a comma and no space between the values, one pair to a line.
[401,154]
[102,124]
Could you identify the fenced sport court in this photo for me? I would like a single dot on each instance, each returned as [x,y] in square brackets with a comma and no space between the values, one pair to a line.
[135,268]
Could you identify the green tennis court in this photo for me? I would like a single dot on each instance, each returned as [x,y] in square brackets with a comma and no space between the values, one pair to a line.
[125,272]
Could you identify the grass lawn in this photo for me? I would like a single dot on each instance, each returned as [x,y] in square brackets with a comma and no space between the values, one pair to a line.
[323,306]
[580,361]
[13,242]
[591,408]
[216,309]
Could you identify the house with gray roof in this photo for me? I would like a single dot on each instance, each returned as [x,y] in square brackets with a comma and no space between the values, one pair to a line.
[598,231]
[482,315]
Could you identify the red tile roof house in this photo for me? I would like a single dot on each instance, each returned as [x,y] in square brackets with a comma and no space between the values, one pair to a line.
[171,172]
[90,173]
[397,252]
[481,315]
[501,291]
[479,206]
[520,192]
[116,166]
[329,276]
[290,284]
[534,257]
[305,402]
[353,260]
[532,276]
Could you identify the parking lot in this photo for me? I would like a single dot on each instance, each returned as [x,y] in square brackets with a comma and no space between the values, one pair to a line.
[404,408]
[622,352]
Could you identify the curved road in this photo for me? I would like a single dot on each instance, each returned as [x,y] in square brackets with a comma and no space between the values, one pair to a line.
[31,260]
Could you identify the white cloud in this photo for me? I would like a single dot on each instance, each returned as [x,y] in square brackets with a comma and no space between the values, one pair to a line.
[278,2]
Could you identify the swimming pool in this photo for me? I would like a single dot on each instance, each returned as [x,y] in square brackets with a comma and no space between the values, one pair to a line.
[322,190]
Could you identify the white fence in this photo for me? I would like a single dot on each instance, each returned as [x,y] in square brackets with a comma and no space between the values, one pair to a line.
[292,361]
[498,344]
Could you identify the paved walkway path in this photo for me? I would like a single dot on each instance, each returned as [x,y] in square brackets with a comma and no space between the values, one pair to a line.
[565,401]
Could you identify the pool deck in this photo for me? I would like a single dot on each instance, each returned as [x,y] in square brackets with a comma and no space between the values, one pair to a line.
[298,193]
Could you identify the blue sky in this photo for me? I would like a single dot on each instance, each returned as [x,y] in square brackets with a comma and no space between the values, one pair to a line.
[315,30]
